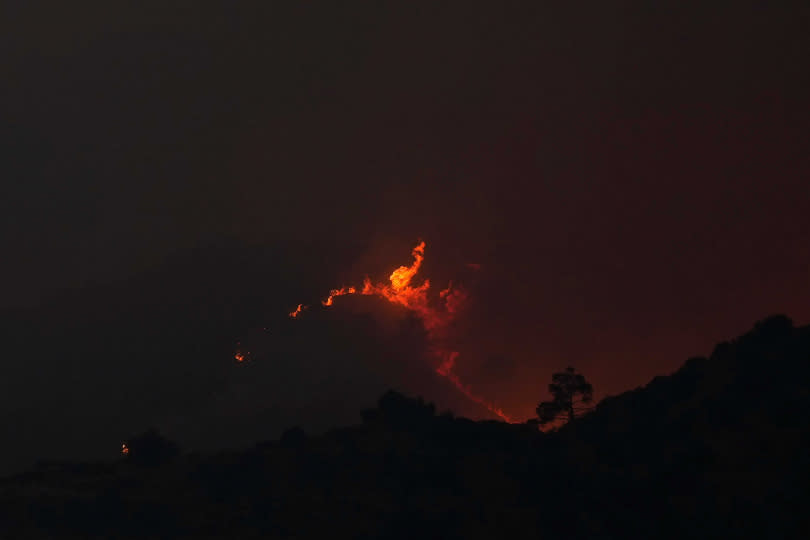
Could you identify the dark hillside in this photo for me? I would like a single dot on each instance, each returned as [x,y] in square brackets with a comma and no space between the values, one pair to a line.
[717,449]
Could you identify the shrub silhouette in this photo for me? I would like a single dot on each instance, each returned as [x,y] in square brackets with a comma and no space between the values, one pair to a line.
[396,410]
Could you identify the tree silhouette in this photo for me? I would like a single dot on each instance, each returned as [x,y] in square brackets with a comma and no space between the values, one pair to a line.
[566,386]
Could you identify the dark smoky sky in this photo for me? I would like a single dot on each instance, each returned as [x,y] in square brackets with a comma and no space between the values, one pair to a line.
[632,177]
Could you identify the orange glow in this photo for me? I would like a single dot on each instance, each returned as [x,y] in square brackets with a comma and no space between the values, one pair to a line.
[445,369]
[240,357]
[435,319]
[124,449]
[297,311]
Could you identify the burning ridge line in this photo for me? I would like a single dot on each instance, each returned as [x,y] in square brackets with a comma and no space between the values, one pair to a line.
[415,299]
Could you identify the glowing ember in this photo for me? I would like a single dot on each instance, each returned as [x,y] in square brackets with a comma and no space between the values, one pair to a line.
[124,449]
[297,311]
[435,320]
[240,356]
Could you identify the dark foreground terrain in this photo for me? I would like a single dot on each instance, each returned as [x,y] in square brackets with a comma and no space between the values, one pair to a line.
[717,449]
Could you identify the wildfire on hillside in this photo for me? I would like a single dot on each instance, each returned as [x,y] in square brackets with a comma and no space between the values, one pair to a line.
[435,319]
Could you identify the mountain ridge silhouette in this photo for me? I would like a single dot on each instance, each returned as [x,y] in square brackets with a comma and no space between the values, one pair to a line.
[715,448]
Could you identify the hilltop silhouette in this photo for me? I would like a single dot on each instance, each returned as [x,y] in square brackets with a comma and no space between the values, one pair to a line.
[716,449]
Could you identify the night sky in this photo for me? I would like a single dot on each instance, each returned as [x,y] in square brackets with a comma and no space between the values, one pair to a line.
[633,179]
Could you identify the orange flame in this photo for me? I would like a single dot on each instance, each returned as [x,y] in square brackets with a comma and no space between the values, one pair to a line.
[297,311]
[338,292]
[401,277]
[415,298]
[124,449]
[240,357]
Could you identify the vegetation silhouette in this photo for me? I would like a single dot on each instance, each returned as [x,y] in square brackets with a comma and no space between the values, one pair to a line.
[396,410]
[566,386]
[716,449]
